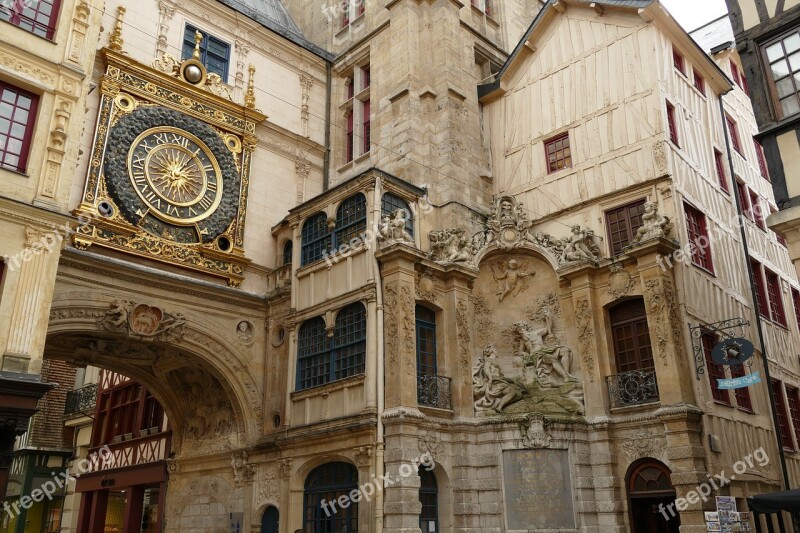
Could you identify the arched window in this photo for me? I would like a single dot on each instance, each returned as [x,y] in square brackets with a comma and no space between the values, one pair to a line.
[631,336]
[351,219]
[429,498]
[320,359]
[269,521]
[313,354]
[391,203]
[288,248]
[316,239]
[322,512]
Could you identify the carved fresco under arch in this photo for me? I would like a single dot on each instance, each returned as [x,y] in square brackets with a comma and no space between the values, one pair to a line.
[523,364]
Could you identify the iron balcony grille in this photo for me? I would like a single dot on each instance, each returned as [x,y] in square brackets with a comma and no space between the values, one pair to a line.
[81,401]
[433,391]
[632,388]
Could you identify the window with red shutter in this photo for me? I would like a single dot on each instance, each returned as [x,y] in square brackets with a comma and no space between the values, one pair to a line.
[783,419]
[558,153]
[755,209]
[698,238]
[733,131]
[796,305]
[17,116]
[761,291]
[720,166]
[366,133]
[699,82]
[743,400]
[349,147]
[793,397]
[775,298]
[744,199]
[673,129]
[678,62]
[762,160]
[622,224]
[715,370]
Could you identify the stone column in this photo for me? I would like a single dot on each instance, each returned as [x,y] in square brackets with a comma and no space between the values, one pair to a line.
[36,269]
[401,505]
[458,325]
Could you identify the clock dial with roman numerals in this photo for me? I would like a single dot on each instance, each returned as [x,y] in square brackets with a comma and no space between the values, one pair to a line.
[175,174]
[172,175]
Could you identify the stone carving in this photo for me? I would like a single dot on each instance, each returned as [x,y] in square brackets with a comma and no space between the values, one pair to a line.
[167,63]
[451,246]
[173,466]
[509,276]
[285,468]
[583,321]
[242,472]
[463,334]
[209,416]
[268,485]
[392,335]
[392,228]
[582,245]
[483,319]
[653,225]
[426,288]
[533,432]
[143,321]
[551,363]
[362,455]
[620,281]
[245,332]
[643,444]
[507,227]
[490,388]
[660,298]
[430,443]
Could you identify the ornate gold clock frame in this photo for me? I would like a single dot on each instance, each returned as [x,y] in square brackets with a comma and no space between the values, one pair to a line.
[185,87]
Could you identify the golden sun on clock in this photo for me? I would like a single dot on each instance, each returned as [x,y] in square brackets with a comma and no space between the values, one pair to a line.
[175,174]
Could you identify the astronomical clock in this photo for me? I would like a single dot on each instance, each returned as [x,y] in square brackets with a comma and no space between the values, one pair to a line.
[170,167]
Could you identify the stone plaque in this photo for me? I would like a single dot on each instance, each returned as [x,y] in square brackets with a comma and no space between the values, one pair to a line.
[538,489]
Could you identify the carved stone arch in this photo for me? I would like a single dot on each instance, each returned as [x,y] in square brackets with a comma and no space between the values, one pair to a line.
[76,333]
[494,250]
[258,512]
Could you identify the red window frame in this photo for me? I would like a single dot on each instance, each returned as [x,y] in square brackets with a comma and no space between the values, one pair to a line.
[697,227]
[35,19]
[366,128]
[365,76]
[678,61]
[18,134]
[744,199]
[715,370]
[699,82]
[761,290]
[782,416]
[776,308]
[734,133]
[735,74]
[622,223]
[345,15]
[631,337]
[762,160]
[349,141]
[742,395]
[796,304]
[720,166]
[361,7]
[350,87]
[793,397]
[673,129]
[558,153]
[755,210]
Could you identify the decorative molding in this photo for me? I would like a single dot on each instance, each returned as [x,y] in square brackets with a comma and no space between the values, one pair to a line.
[306,81]
[534,434]
[620,281]
[363,455]
[585,324]
[242,472]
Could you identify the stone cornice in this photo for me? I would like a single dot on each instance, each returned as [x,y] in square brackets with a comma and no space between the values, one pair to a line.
[39,217]
[153,278]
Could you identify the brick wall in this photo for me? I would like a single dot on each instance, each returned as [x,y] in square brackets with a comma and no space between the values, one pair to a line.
[47,426]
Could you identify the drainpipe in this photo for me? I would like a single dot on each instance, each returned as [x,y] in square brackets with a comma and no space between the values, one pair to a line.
[379,369]
[754,296]
[326,164]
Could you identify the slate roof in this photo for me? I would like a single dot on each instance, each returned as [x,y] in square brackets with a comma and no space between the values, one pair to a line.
[273,15]
[716,35]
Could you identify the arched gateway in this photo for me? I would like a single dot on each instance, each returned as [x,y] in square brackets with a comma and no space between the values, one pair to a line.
[207,377]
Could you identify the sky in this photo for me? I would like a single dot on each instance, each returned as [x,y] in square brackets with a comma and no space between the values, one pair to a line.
[692,14]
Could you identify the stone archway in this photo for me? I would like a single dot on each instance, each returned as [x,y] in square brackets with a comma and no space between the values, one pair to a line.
[206,388]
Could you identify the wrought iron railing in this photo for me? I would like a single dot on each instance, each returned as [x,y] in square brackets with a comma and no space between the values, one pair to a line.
[81,401]
[632,388]
[433,391]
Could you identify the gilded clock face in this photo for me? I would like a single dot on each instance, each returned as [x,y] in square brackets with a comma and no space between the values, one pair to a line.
[175,174]
[172,175]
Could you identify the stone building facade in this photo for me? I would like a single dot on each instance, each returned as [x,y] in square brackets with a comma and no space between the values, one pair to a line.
[434,253]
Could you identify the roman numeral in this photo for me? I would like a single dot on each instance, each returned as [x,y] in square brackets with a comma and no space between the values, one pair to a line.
[205,202]
[138,162]
[180,140]
[172,210]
